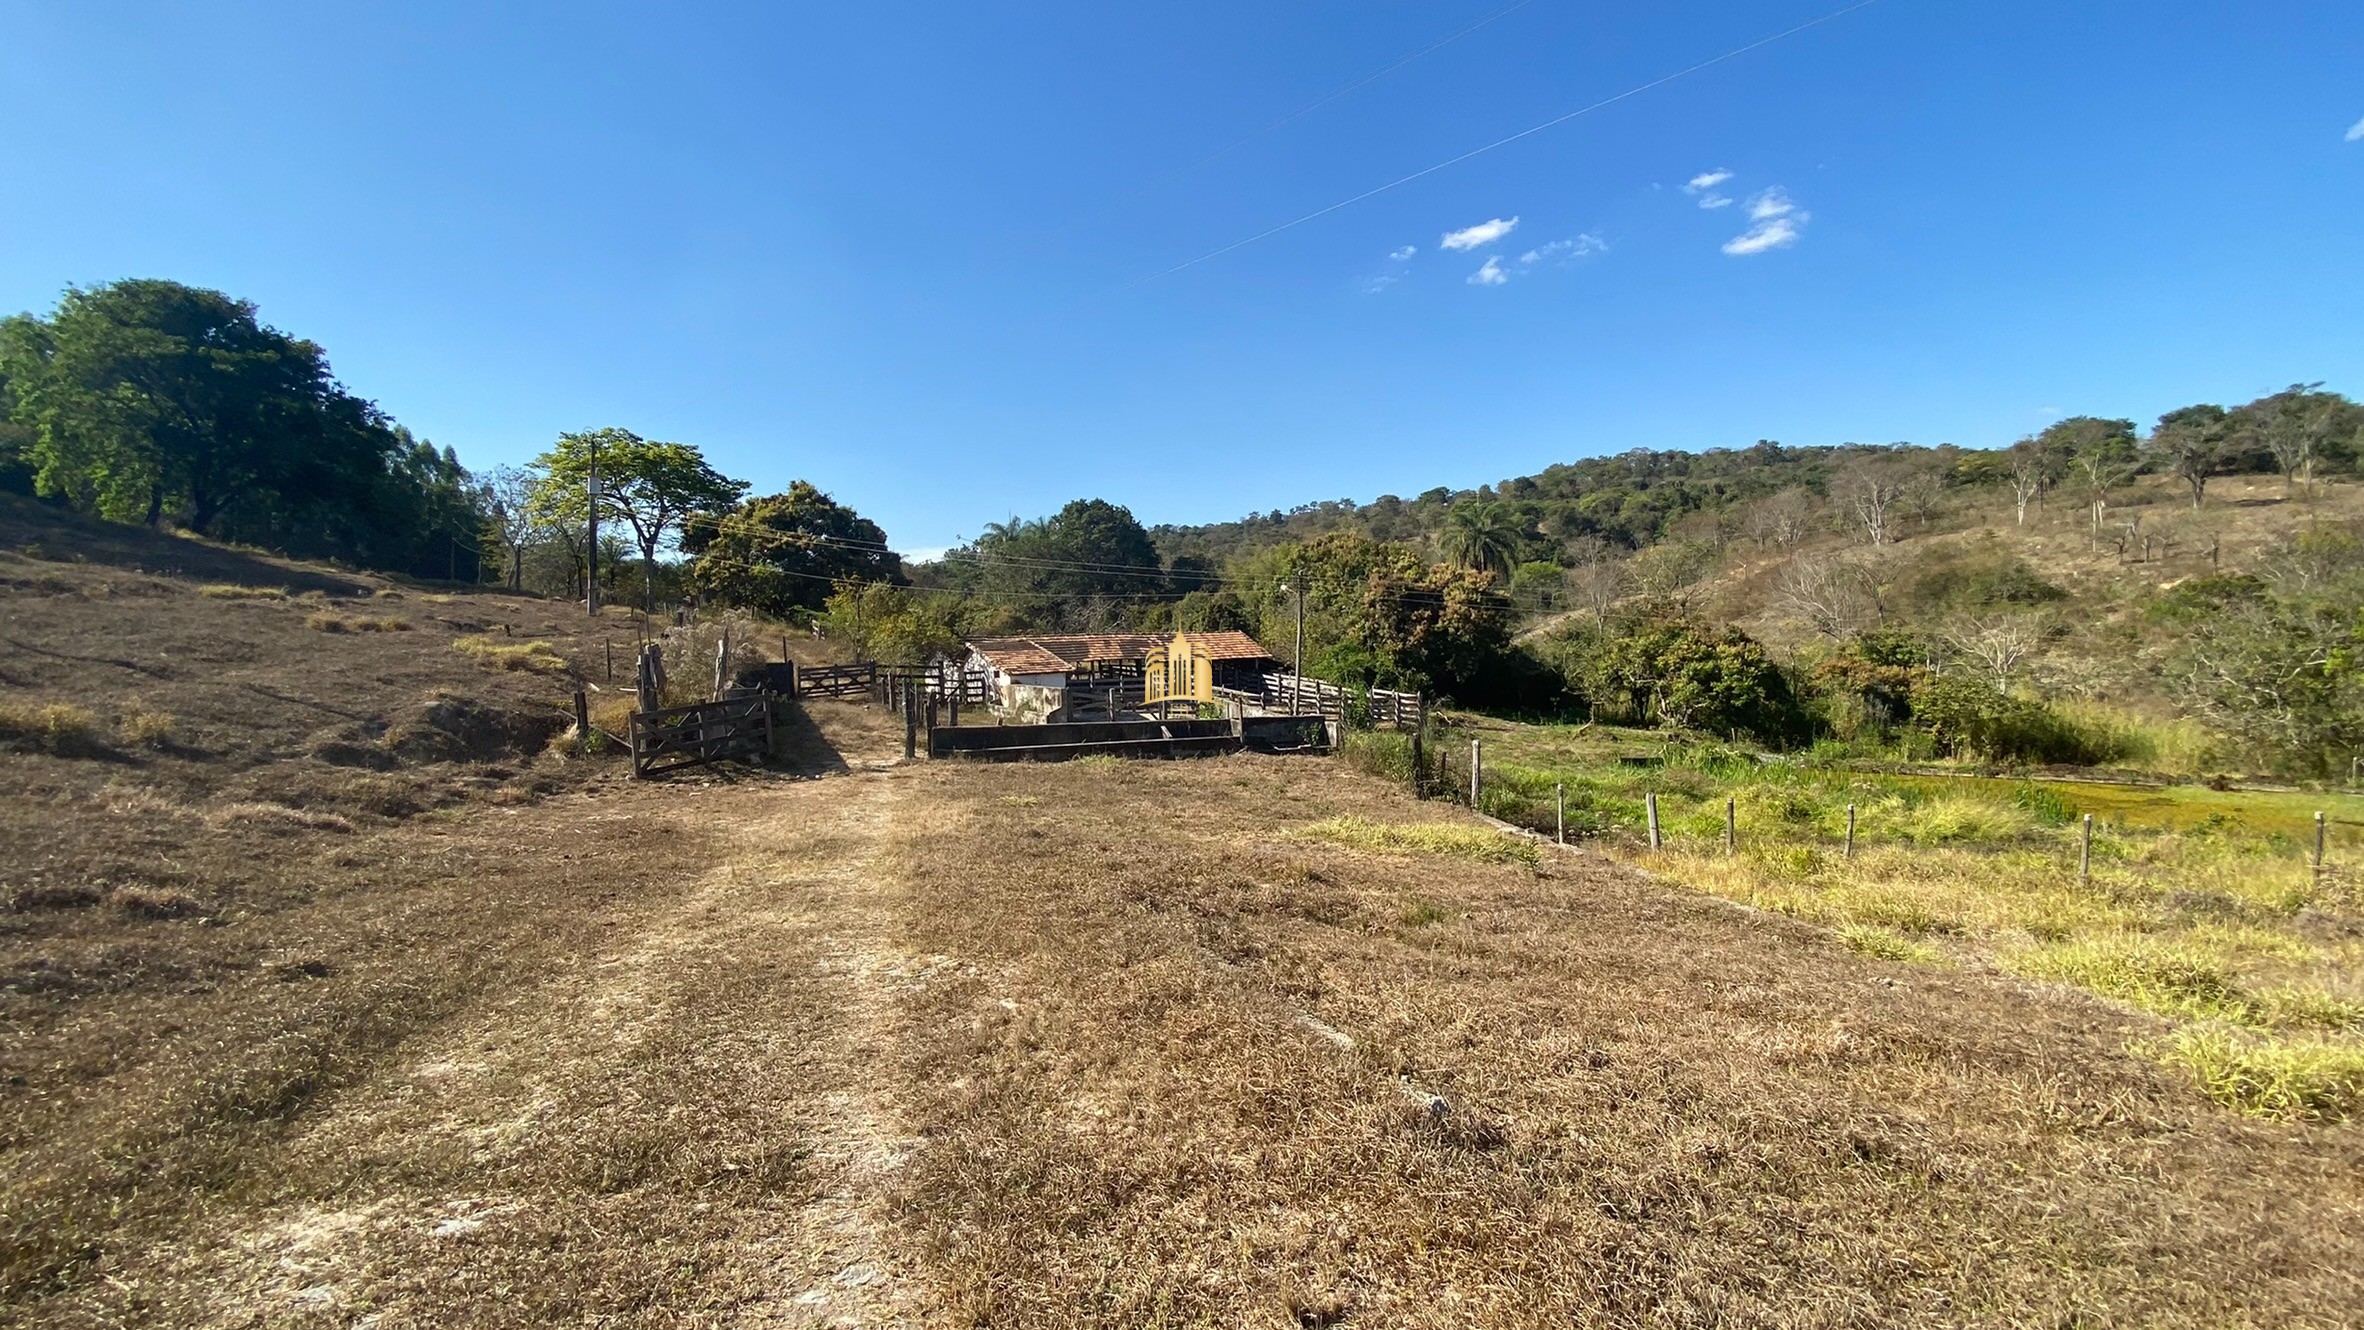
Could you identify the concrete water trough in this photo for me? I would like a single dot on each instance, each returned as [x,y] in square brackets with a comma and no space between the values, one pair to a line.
[1132,738]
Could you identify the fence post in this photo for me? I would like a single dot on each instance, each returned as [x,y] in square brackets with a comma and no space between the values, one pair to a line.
[1419,787]
[1650,805]
[1731,826]
[1850,831]
[611,659]
[1476,773]
[2318,844]
[791,677]
[954,706]
[910,725]
[2085,852]
[582,722]
[1559,794]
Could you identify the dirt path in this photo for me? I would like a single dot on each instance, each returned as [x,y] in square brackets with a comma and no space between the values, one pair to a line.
[695,1120]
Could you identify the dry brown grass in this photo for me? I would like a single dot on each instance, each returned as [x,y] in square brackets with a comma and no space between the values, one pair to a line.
[963,1044]
[330,622]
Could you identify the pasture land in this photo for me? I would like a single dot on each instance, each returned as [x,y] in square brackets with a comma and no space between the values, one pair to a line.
[343,998]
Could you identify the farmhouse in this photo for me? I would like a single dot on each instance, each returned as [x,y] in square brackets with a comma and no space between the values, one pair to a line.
[1033,674]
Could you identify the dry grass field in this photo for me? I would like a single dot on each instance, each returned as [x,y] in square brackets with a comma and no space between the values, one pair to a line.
[455,1031]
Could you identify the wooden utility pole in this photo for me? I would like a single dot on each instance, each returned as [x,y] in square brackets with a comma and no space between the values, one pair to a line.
[591,548]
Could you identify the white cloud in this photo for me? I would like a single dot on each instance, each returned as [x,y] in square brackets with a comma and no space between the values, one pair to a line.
[1484,233]
[1400,255]
[2355,131]
[1778,224]
[1491,274]
[1780,233]
[1703,188]
[1571,249]
[1374,285]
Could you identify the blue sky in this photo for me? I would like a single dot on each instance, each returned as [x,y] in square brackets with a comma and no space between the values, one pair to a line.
[899,249]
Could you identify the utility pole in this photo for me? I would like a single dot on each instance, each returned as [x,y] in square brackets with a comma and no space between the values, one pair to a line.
[1297,662]
[591,551]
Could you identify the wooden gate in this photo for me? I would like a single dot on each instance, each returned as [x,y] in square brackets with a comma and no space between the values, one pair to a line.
[670,738]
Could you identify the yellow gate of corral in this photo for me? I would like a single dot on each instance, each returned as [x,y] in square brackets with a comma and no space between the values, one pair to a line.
[1177,673]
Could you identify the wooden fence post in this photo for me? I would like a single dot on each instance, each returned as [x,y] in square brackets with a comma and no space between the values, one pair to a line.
[910,725]
[1650,806]
[2318,844]
[1559,794]
[1419,786]
[611,659]
[582,722]
[1850,831]
[1477,787]
[2085,852]
[1731,826]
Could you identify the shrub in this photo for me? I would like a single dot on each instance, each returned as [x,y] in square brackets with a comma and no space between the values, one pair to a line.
[328,623]
[232,591]
[1966,716]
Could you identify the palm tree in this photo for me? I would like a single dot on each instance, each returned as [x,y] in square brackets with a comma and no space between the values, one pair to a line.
[1480,536]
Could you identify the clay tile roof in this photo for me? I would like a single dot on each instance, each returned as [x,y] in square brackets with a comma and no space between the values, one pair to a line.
[1231,645]
[1019,655]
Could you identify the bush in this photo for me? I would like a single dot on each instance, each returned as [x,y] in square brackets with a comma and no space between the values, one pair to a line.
[1968,717]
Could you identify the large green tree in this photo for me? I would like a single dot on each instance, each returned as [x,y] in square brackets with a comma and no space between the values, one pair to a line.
[152,401]
[785,552]
[653,488]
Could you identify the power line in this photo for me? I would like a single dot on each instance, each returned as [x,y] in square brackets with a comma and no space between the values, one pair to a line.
[1505,141]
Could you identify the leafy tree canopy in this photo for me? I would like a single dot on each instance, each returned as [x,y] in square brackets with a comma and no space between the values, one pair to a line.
[785,552]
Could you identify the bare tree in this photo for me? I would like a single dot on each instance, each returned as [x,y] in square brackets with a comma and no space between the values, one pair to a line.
[1838,596]
[1596,576]
[1780,520]
[2099,472]
[2000,643]
[1871,491]
[2030,472]
[513,521]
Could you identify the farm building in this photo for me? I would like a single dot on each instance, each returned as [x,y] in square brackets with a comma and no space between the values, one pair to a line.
[1033,674]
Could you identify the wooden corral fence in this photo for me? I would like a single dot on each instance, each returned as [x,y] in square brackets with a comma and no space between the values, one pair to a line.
[837,680]
[1402,711]
[1290,695]
[669,738]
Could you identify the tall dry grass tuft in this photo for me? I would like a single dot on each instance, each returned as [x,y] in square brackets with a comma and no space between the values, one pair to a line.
[51,727]
[534,657]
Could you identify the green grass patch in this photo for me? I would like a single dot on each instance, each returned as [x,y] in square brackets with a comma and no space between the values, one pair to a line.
[2146,972]
[2312,1078]
[1475,844]
[1887,944]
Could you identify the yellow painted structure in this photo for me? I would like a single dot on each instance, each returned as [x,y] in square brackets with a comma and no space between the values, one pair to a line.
[1177,673]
